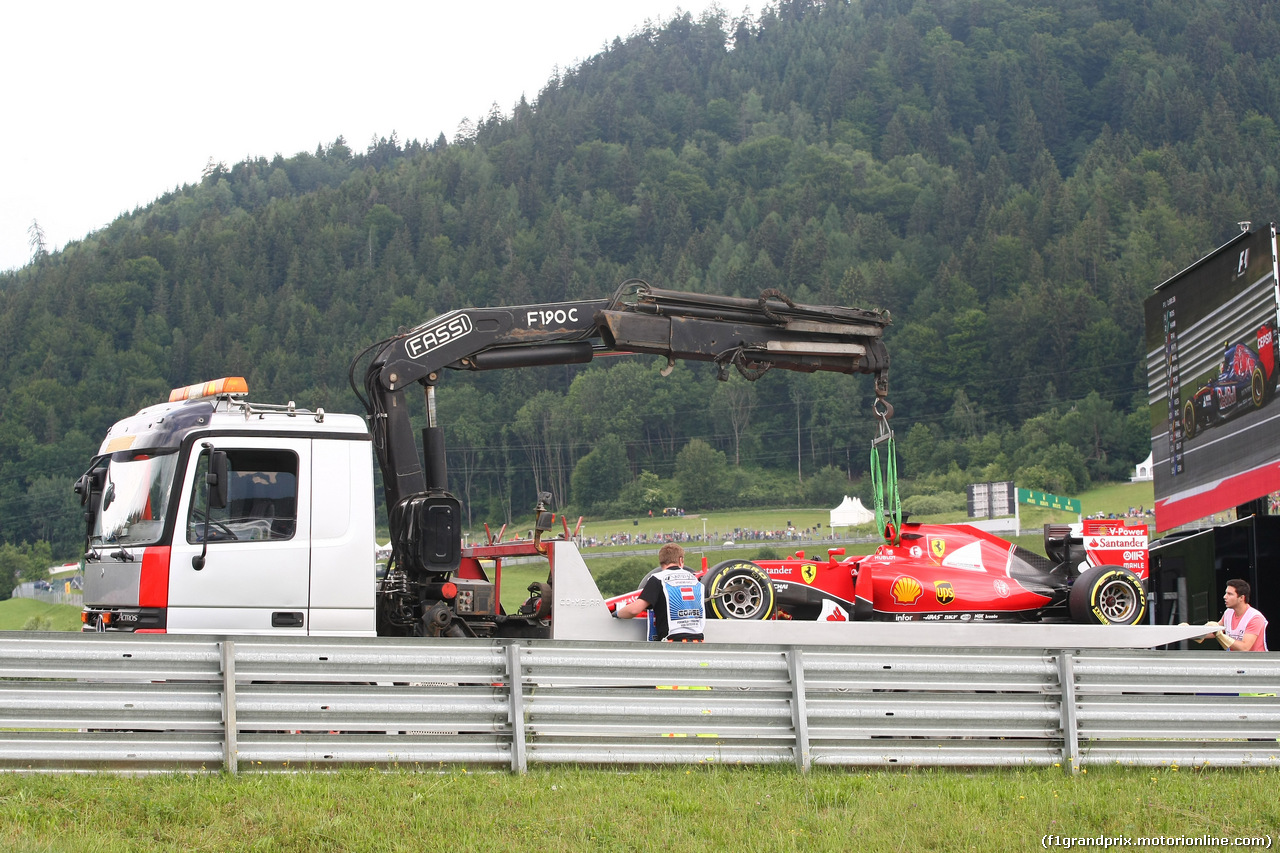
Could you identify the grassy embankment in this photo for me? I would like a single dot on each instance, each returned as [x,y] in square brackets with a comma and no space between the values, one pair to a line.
[26,614]
[698,808]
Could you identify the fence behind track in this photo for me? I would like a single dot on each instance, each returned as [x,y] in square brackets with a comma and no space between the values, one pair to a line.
[72,702]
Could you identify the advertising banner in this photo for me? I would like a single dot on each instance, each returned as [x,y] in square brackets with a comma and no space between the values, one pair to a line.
[1035,498]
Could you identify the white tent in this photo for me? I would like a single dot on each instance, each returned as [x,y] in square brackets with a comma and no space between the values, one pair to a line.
[850,513]
[1142,472]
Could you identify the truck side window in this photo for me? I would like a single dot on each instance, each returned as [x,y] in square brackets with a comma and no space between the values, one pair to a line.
[262,498]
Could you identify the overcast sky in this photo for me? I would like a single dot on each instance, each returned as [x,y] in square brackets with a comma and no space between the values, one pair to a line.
[107,105]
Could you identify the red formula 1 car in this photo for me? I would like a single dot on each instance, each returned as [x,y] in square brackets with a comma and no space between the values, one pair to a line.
[1246,380]
[1094,574]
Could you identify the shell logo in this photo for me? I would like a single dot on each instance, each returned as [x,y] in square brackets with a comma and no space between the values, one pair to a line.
[906,590]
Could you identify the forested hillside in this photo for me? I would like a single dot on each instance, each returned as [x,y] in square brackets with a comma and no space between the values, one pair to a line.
[1009,179]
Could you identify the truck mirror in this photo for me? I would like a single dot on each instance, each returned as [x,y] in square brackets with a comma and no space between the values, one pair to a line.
[85,487]
[217,479]
[89,488]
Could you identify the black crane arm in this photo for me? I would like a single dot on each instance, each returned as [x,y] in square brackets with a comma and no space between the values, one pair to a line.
[752,335]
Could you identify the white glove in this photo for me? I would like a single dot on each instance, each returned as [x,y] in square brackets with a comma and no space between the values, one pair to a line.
[1224,639]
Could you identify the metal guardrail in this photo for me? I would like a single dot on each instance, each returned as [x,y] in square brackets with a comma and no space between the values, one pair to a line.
[55,594]
[72,702]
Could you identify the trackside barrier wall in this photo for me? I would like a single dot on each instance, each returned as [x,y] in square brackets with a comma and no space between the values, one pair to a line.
[72,702]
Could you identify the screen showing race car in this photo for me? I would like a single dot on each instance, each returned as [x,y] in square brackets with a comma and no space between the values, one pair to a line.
[1213,360]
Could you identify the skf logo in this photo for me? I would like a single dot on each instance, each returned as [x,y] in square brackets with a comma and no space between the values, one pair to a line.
[906,590]
[938,547]
[438,335]
[943,591]
[808,572]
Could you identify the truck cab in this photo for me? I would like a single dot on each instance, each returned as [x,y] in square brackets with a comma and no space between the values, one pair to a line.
[211,514]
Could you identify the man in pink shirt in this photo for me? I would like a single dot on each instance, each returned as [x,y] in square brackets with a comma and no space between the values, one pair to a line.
[1244,629]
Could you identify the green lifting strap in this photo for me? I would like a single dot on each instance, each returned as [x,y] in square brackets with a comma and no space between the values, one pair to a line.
[885,485]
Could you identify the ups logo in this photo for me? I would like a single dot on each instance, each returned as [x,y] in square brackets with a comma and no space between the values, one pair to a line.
[944,592]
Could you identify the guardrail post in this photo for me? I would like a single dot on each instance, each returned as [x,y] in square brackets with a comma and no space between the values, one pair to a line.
[230,749]
[515,692]
[799,713]
[1067,694]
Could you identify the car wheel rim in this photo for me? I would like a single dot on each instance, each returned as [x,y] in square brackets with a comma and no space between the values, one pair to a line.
[742,598]
[1116,600]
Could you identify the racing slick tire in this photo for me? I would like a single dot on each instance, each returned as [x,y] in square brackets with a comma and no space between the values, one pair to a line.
[1189,419]
[1258,386]
[738,589]
[1107,595]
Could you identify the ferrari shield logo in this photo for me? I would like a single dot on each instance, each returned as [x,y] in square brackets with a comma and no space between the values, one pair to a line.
[808,571]
[938,547]
[943,591]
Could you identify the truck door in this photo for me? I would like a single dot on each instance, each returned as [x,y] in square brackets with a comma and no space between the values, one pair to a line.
[256,571]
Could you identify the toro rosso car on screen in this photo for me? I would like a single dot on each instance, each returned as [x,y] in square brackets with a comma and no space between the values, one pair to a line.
[1246,380]
[1094,574]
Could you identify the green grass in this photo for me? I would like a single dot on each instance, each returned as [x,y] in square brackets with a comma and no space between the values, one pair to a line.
[1115,498]
[682,808]
[17,613]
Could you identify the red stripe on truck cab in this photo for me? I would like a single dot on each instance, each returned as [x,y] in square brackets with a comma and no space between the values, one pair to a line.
[153,582]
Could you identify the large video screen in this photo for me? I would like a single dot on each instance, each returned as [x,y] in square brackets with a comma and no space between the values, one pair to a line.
[1213,359]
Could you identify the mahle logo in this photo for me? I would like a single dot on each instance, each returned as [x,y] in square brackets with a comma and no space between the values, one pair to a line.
[446,331]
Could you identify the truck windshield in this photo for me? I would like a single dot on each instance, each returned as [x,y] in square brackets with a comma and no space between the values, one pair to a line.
[135,497]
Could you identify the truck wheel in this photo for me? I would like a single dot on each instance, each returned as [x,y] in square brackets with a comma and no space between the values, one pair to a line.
[738,589]
[1107,595]
[1258,386]
[1189,419]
